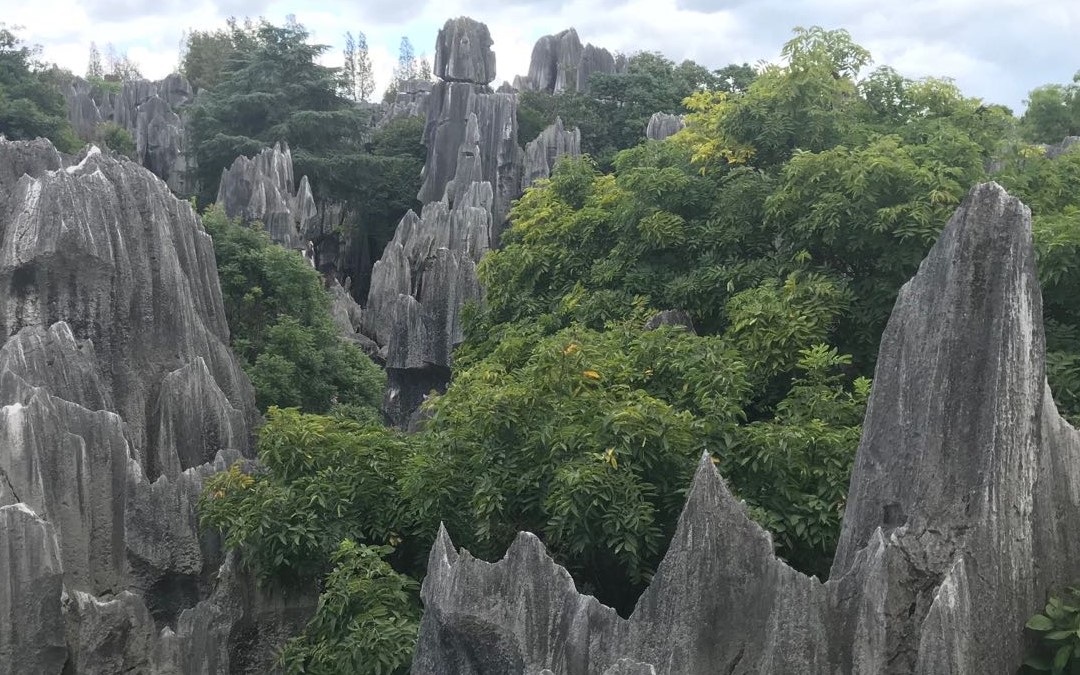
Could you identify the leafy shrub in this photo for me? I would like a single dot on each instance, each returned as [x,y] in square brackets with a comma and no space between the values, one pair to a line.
[279,317]
[1058,630]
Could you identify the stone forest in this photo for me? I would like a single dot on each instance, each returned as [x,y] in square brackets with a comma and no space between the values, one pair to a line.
[622,367]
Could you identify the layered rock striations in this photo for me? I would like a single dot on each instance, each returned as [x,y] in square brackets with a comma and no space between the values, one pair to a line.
[661,125]
[561,63]
[963,512]
[425,276]
[150,111]
[541,153]
[119,396]
[264,188]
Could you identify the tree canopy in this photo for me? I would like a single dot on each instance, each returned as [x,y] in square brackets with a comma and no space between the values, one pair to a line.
[31,105]
[783,219]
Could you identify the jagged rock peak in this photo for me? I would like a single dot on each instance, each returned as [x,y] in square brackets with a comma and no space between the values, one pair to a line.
[119,397]
[561,63]
[263,188]
[962,514]
[463,52]
[661,125]
[149,110]
[542,152]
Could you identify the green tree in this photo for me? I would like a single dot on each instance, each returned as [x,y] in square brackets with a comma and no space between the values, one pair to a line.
[31,105]
[279,317]
[1053,112]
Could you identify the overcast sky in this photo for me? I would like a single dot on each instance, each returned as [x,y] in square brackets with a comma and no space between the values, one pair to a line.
[994,49]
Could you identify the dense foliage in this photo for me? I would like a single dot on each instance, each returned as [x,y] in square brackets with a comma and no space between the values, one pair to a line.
[784,219]
[613,115]
[30,101]
[279,317]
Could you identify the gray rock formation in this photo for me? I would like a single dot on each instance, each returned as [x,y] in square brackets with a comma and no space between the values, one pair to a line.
[411,101]
[561,63]
[1059,149]
[425,276]
[463,52]
[542,152]
[449,108]
[263,188]
[150,111]
[671,317]
[963,511]
[119,396]
[662,125]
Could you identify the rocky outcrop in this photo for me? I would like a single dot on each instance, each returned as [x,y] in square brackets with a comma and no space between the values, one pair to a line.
[661,125]
[463,52]
[263,188]
[542,152]
[561,63]
[963,511]
[411,100]
[426,275]
[150,111]
[1059,149]
[119,397]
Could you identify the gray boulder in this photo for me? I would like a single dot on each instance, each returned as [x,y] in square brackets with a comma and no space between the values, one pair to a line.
[1059,149]
[541,153]
[449,110]
[150,111]
[463,52]
[962,514]
[661,125]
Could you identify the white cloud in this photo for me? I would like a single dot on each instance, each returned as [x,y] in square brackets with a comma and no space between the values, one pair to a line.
[996,49]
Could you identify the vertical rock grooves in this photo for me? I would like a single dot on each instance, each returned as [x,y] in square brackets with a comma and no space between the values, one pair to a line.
[962,512]
[119,396]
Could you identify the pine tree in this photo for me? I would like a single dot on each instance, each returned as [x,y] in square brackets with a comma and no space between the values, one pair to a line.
[365,74]
[94,69]
[348,71]
[406,66]
[423,70]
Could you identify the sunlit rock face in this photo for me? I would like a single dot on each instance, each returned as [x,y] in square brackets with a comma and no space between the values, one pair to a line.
[119,397]
[963,511]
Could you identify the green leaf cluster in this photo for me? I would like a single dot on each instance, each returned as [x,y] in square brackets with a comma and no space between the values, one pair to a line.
[279,317]
[31,105]
[1058,630]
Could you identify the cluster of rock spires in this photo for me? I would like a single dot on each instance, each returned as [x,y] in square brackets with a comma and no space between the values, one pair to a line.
[150,111]
[119,397]
[475,167]
[560,63]
[963,511]
[263,188]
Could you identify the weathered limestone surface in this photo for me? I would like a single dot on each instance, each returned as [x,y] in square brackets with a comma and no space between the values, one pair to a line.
[542,152]
[463,52]
[119,397]
[561,63]
[964,509]
[263,188]
[150,111]
[1058,149]
[661,125]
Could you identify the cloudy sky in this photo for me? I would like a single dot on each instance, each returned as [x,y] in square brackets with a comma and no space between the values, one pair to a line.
[995,49]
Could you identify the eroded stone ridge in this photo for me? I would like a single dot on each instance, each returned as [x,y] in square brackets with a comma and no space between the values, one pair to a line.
[263,188]
[541,153]
[119,397]
[561,63]
[661,125]
[150,111]
[963,511]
